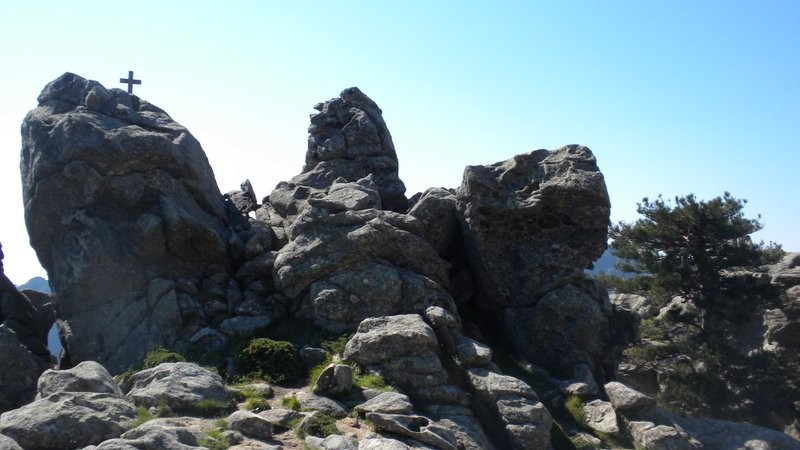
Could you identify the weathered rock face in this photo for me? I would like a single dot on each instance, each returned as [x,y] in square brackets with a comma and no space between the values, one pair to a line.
[518,414]
[120,202]
[348,139]
[565,328]
[23,342]
[533,223]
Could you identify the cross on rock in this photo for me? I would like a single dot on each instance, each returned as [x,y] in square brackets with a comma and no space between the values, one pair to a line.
[130,81]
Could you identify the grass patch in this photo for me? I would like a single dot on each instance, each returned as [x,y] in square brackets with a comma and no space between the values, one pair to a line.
[142,415]
[372,380]
[291,402]
[215,443]
[256,404]
[316,371]
[335,344]
[574,406]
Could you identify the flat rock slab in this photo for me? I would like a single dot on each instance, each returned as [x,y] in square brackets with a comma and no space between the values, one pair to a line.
[387,403]
[180,385]
[309,401]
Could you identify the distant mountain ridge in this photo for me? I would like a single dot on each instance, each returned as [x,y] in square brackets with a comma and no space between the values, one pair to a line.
[41,284]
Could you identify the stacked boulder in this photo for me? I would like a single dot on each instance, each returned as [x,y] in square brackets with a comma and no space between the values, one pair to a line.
[531,225]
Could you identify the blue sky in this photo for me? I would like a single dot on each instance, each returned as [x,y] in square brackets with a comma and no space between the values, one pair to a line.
[673,97]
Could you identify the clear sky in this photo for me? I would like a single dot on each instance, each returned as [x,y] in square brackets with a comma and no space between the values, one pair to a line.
[673,97]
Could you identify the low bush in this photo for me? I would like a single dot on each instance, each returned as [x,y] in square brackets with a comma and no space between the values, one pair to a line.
[158,355]
[291,402]
[274,361]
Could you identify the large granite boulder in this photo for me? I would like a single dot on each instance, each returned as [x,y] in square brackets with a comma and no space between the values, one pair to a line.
[120,202]
[68,420]
[179,385]
[87,376]
[533,223]
[404,350]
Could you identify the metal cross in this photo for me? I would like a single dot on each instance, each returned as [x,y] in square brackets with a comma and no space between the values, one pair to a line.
[130,81]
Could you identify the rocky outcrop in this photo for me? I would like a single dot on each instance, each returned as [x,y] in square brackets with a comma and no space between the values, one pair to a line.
[533,223]
[344,267]
[23,341]
[125,215]
[120,203]
[348,140]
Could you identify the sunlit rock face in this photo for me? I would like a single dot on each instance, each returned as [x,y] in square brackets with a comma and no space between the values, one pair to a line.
[120,203]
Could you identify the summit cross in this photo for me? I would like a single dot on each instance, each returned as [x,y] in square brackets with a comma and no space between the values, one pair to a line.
[130,81]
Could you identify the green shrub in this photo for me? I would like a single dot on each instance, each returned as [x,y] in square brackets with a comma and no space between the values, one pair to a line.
[372,380]
[335,345]
[158,355]
[291,402]
[275,361]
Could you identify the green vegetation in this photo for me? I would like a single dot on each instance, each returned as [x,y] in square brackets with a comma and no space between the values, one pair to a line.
[698,250]
[291,402]
[217,440]
[274,361]
[316,371]
[256,404]
[372,380]
[574,406]
[158,355]
[319,425]
[682,249]
[154,357]
[335,344]
[142,415]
